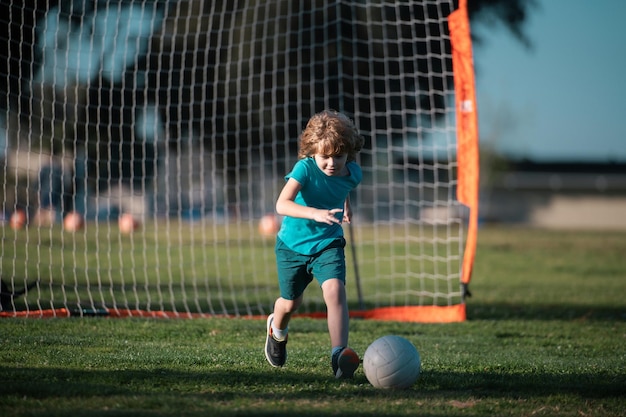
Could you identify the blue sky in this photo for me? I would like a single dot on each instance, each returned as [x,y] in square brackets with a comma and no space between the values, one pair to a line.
[564,99]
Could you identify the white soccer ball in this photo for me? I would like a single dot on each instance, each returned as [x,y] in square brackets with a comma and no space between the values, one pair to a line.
[392,362]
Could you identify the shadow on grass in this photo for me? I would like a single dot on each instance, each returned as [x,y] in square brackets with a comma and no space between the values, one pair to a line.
[280,393]
[499,311]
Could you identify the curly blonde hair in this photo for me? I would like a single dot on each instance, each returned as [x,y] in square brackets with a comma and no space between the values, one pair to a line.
[330,133]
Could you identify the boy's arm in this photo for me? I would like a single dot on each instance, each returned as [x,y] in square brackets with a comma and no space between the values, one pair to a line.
[347,210]
[286,206]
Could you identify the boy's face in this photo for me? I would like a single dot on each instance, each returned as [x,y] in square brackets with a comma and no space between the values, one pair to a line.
[333,166]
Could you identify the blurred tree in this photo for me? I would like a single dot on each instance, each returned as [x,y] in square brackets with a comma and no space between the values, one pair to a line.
[512,14]
[216,70]
[338,50]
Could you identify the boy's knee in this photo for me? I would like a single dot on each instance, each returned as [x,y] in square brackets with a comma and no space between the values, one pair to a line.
[333,287]
[290,306]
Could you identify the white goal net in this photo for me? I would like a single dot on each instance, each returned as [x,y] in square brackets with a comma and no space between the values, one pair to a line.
[167,127]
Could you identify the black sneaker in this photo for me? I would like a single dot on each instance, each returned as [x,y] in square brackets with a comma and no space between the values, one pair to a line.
[275,351]
[344,363]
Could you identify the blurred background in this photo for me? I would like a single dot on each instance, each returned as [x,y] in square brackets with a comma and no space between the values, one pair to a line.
[552,115]
[549,86]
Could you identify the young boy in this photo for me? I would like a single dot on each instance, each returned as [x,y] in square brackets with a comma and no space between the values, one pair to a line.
[310,244]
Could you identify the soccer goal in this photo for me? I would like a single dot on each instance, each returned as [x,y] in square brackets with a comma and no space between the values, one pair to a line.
[144,144]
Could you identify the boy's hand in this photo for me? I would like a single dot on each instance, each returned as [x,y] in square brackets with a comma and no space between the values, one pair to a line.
[347,215]
[327,216]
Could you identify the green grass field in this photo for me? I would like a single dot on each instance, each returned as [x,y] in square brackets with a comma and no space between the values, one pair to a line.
[545,336]
[227,269]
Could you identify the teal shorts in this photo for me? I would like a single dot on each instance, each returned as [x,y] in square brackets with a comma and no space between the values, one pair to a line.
[296,271]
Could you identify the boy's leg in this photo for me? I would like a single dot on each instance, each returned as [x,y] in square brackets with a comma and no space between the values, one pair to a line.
[293,279]
[334,292]
[276,337]
[283,309]
[329,268]
[344,360]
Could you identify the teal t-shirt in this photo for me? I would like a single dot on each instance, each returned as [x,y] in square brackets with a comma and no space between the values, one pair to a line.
[320,191]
